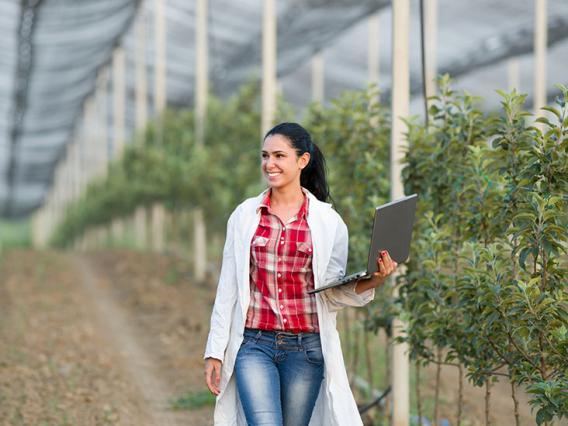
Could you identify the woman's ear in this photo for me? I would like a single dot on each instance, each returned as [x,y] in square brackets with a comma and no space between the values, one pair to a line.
[304,160]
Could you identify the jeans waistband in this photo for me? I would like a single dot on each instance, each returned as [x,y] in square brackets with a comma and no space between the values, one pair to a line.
[280,336]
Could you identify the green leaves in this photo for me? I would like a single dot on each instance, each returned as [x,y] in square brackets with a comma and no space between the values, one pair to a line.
[487,281]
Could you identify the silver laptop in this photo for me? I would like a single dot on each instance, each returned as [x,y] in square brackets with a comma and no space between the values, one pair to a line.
[392,231]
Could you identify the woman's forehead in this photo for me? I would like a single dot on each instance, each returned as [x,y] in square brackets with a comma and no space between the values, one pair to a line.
[277,143]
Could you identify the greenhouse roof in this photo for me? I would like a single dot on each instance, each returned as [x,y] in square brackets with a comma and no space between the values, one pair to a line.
[52,52]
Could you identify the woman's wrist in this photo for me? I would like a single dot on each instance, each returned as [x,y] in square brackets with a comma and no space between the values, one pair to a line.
[363,285]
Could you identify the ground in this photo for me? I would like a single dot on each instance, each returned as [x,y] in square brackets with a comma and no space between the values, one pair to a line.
[116,337]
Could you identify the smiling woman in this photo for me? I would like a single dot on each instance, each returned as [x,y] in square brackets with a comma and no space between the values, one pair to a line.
[280,341]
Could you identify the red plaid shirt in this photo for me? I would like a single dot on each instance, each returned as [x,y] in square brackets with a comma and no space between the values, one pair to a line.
[281,273]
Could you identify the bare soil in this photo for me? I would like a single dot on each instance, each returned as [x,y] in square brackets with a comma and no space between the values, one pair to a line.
[113,337]
[98,340]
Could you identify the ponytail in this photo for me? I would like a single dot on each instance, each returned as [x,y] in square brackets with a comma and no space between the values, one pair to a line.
[313,176]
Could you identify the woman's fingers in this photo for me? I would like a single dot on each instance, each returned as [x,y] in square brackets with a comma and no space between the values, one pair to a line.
[217,376]
[386,264]
[213,375]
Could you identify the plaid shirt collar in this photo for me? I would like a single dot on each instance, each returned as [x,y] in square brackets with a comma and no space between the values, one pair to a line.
[264,206]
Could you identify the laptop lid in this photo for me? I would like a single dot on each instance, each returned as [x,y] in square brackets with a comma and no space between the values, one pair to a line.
[392,231]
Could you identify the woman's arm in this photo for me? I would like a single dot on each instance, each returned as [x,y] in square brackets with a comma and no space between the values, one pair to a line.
[225,299]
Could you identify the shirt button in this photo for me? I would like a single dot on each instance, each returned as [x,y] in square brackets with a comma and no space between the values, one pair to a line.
[281,306]
[285,320]
[284,228]
[279,260]
[279,274]
[279,290]
[281,242]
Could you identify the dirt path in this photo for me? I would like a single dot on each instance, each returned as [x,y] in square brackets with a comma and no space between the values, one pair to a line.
[100,339]
[135,359]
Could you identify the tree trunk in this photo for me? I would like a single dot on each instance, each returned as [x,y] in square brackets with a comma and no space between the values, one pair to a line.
[515,404]
[488,402]
[460,395]
[418,396]
[369,361]
[437,386]
[387,372]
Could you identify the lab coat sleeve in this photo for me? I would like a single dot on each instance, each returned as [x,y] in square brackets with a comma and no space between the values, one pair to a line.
[339,297]
[225,299]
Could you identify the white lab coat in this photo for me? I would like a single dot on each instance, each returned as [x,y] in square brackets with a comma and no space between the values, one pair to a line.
[335,404]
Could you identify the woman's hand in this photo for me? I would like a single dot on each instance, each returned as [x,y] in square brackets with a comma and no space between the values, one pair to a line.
[386,266]
[213,374]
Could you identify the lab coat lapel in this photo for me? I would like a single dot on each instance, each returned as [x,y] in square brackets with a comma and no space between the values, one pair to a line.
[250,223]
[322,237]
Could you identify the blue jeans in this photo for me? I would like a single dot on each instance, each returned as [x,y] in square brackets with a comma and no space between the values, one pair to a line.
[279,376]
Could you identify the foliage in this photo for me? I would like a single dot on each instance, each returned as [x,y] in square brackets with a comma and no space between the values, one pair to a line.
[487,282]
[168,164]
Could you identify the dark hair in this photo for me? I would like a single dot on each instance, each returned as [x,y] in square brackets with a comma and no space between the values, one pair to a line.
[313,175]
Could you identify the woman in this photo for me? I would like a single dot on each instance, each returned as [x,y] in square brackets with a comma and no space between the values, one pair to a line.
[273,355]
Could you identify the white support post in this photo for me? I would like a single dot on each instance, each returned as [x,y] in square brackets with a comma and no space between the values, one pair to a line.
[540,43]
[201,99]
[141,228]
[373,57]
[141,83]
[513,74]
[160,101]
[119,125]
[431,44]
[400,109]
[268,65]
[160,56]
[102,123]
[201,71]
[318,77]
[119,96]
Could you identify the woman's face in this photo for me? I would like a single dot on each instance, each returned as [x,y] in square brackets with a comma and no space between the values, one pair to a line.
[281,165]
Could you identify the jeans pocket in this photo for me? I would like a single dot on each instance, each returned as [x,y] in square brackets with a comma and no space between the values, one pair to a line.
[314,355]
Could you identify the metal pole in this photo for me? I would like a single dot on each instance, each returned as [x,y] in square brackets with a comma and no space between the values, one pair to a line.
[318,77]
[268,65]
[400,109]
[540,41]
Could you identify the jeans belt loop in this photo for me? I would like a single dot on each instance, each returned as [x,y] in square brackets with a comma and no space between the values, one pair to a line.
[300,339]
